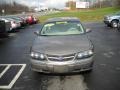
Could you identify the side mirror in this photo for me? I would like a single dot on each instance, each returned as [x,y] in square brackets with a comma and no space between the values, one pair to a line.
[88,30]
[37,33]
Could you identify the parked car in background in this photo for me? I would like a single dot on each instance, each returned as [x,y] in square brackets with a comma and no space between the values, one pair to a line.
[3,32]
[23,20]
[62,46]
[112,20]
[19,19]
[14,24]
[35,20]
[32,19]
[7,24]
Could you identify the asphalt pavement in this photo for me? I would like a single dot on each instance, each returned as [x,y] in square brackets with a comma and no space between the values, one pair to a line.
[15,72]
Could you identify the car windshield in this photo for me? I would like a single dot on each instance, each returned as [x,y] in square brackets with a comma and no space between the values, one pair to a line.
[62,28]
[16,18]
[9,19]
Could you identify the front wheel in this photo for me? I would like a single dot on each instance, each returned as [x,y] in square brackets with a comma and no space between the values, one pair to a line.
[118,27]
[114,23]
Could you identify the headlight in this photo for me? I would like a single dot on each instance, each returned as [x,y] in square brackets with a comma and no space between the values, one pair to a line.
[84,54]
[108,18]
[38,56]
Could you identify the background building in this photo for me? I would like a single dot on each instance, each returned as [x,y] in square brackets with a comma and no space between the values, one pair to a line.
[77,4]
[82,4]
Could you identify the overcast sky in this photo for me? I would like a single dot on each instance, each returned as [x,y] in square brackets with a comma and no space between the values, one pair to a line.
[49,3]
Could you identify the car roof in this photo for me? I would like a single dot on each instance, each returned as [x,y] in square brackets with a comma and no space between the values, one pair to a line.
[58,19]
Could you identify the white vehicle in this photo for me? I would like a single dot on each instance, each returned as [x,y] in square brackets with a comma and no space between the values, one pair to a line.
[112,20]
[14,24]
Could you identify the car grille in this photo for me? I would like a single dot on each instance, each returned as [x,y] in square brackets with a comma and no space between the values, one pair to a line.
[61,58]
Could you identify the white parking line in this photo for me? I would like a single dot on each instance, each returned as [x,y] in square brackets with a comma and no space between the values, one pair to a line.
[16,77]
[4,71]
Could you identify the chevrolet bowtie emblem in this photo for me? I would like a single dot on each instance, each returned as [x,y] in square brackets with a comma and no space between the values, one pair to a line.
[60,58]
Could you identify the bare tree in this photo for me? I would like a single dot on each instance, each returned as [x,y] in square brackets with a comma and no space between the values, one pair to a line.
[106,3]
[118,2]
[12,8]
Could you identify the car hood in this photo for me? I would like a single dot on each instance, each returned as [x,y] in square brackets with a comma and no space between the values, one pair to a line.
[61,45]
[112,15]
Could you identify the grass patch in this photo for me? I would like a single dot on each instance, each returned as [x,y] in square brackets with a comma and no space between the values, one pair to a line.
[86,15]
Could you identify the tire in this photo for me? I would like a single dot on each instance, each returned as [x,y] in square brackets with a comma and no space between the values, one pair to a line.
[118,28]
[114,23]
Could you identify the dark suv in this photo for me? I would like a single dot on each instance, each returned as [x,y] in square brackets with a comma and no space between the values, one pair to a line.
[3,32]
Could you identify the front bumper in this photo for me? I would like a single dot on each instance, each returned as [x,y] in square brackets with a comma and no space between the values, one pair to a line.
[107,22]
[62,67]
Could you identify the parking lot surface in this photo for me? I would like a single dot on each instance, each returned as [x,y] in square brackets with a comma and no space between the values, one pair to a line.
[15,72]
